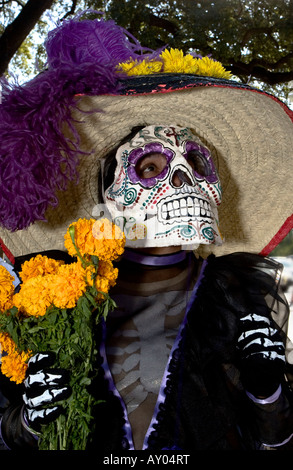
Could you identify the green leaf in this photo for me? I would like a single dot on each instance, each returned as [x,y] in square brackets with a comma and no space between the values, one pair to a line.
[95,260]
[52,316]
[85,381]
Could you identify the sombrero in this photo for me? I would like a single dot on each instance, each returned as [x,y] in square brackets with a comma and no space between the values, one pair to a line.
[55,129]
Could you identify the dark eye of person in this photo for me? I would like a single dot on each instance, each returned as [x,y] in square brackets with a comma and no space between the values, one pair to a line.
[198,163]
[150,165]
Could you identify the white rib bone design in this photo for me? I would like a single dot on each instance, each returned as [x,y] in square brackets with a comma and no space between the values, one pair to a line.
[147,356]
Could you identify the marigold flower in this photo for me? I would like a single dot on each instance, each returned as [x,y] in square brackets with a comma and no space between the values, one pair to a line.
[107,270]
[83,237]
[93,237]
[61,289]
[14,366]
[67,285]
[14,363]
[34,297]
[102,285]
[39,266]
[109,240]
[7,344]
[105,278]
[6,289]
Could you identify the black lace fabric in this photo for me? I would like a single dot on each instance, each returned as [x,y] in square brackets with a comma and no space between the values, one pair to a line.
[238,284]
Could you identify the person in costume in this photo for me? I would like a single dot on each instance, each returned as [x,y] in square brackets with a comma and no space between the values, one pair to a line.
[197,170]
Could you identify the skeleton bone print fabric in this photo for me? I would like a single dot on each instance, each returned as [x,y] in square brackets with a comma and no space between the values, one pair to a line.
[140,338]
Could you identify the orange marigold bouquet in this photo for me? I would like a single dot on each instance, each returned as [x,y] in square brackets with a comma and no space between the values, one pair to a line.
[56,309]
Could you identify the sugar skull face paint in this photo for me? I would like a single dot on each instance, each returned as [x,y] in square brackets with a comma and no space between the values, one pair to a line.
[166,190]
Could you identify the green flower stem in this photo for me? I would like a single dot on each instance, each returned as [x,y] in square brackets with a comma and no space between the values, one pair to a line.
[71,231]
[60,428]
[78,408]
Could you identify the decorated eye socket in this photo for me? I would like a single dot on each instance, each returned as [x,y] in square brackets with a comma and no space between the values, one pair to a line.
[198,163]
[150,165]
[200,159]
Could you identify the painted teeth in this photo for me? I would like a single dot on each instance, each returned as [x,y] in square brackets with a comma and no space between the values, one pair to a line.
[185,207]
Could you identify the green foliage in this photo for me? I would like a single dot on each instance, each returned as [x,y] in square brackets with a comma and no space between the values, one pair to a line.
[23,59]
[285,248]
[251,37]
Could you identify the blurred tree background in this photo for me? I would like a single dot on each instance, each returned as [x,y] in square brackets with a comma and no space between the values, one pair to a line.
[252,38]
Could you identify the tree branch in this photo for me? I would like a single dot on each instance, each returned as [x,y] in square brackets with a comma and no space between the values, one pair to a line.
[258,72]
[285,60]
[255,31]
[72,9]
[16,32]
[163,23]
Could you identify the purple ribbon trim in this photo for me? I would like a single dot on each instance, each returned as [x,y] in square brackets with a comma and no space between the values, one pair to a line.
[155,260]
[268,400]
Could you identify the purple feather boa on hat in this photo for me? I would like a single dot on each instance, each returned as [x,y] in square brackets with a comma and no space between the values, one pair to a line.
[36,159]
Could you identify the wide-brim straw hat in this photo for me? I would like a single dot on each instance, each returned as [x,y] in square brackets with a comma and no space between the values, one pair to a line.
[249,133]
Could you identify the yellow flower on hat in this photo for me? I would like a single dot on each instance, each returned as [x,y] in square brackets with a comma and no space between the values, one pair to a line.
[176,62]
[212,68]
[144,67]
[6,289]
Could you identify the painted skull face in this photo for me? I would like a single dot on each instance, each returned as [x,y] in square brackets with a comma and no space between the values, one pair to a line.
[166,190]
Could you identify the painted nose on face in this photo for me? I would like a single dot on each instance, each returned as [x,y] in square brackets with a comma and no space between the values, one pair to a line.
[179,178]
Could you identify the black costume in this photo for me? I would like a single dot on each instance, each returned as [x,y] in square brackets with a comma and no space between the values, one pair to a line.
[202,403]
